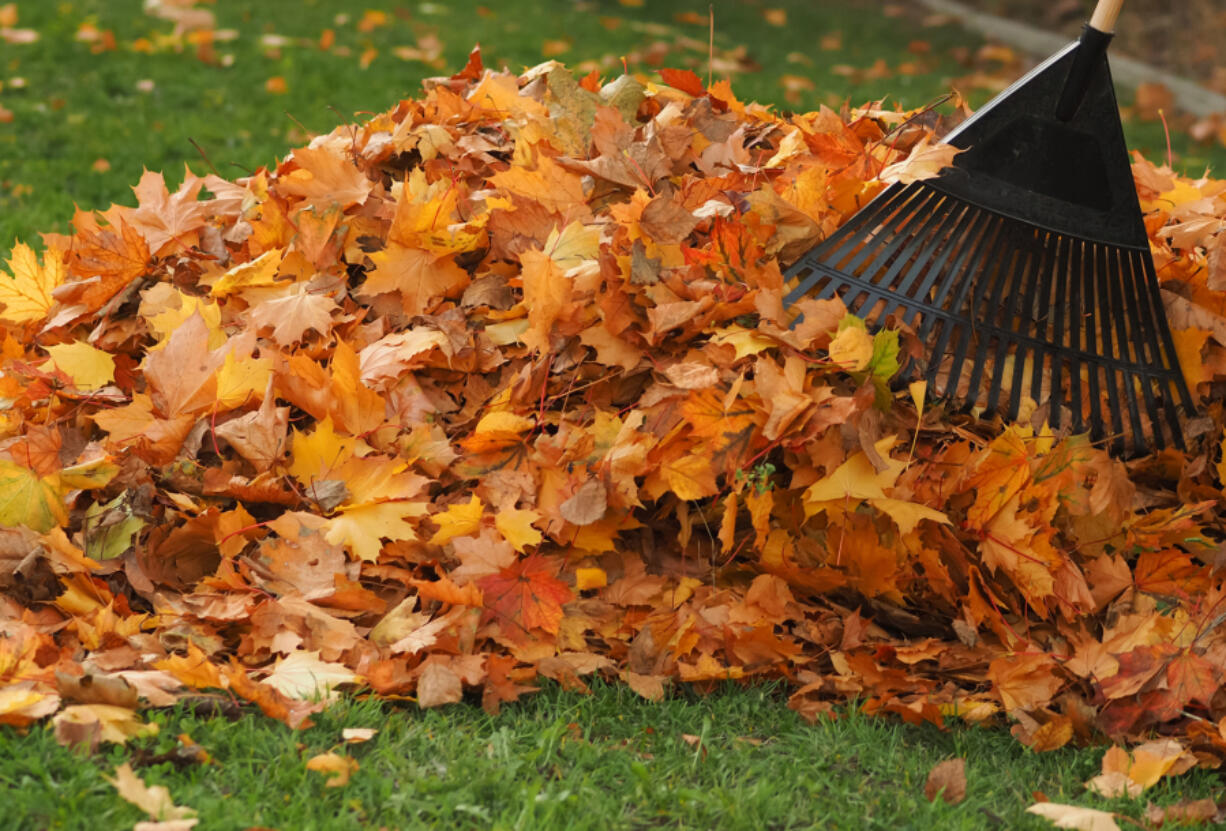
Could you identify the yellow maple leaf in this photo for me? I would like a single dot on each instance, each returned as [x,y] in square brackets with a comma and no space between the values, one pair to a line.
[744,341]
[154,800]
[87,366]
[515,525]
[260,272]
[362,528]
[690,476]
[855,479]
[572,245]
[242,379]
[459,520]
[26,293]
[924,162]
[907,515]
[503,422]
[165,309]
[317,455]
[852,349]
[29,499]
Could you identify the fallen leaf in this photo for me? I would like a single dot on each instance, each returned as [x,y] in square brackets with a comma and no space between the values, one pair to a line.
[336,767]
[1074,816]
[948,780]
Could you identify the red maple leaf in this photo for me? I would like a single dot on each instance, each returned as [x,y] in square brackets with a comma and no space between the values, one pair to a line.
[528,593]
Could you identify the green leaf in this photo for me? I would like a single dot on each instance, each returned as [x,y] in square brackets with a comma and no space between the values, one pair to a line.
[110,528]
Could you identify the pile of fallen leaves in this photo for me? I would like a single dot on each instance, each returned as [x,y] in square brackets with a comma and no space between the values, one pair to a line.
[500,385]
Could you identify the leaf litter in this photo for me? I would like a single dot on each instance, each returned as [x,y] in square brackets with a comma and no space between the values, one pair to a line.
[499,385]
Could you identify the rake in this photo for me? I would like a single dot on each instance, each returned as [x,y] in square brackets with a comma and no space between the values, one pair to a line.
[1025,267]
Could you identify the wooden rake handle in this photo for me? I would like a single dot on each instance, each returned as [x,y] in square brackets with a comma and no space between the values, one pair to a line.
[1105,14]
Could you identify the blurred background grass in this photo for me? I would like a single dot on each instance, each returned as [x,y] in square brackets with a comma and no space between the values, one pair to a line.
[94,91]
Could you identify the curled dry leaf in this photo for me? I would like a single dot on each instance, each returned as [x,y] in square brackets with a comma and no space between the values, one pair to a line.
[336,767]
[154,800]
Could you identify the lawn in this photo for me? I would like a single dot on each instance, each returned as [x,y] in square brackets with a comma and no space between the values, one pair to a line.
[107,90]
[737,759]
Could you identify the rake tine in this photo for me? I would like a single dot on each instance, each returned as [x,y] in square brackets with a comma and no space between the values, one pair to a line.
[1163,346]
[928,234]
[981,227]
[974,267]
[1060,288]
[1145,340]
[1077,261]
[1001,271]
[1033,325]
[1092,345]
[966,227]
[1043,323]
[1119,317]
[1103,293]
[1007,316]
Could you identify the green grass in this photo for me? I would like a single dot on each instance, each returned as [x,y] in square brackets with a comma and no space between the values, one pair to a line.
[72,106]
[564,760]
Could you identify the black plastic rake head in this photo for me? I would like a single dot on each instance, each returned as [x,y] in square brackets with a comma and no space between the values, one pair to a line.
[1025,267]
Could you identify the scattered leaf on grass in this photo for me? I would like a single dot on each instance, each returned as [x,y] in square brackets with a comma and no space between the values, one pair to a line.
[1074,816]
[336,767]
[948,780]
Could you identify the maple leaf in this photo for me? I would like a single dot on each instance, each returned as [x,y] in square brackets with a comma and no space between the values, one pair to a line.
[162,217]
[322,178]
[526,595]
[303,675]
[183,376]
[1024,682]
[29,499]
[27,292]
[420,277]
[89,723]
[516,527]
[438,684]
[362,528]
[258,273]
[105,260]
[547,183]
[193,669]
[87,366]
[547,294]
[948,779]
[460,519]
[925,161]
